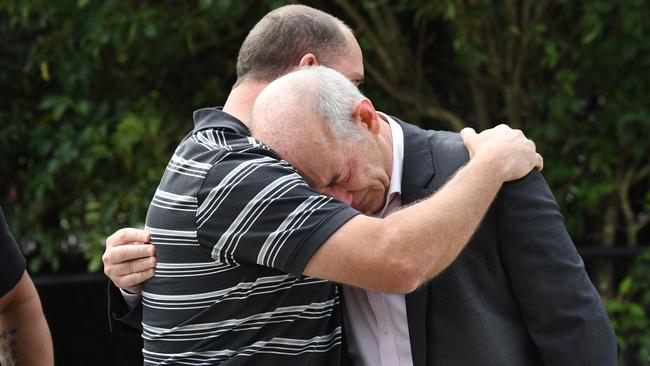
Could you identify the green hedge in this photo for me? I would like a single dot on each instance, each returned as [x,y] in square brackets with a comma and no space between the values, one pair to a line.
[96,94]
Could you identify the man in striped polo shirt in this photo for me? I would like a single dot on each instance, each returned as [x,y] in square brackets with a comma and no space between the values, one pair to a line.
[230,210]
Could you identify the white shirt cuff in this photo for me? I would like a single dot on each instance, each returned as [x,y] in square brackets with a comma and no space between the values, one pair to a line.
[131,300]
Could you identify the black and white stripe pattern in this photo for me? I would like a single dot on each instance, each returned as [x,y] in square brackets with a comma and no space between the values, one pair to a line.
[191,269]
[173,201]
[220,193]
[273,243]
[172,237]
[227,244]
[202,331]
[279,346]
[211,140]
[234,225]
[241,291]
[188,167]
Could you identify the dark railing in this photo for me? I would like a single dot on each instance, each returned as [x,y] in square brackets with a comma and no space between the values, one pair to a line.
[75,305]
[65,279]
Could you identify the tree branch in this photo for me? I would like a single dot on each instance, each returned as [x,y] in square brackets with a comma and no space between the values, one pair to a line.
[367,30]
[642,174]
[480,104]
[425,105]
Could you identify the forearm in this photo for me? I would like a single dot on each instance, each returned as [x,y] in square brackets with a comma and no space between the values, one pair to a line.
[430,234]
[405,249]
[24,335]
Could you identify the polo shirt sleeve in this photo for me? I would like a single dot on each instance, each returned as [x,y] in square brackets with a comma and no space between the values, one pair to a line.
[12,262]
[255,209]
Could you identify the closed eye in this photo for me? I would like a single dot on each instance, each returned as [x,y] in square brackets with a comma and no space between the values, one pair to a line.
[340,178]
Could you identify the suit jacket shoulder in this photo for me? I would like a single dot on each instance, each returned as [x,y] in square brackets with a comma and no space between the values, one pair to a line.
[449,153]
[430,158]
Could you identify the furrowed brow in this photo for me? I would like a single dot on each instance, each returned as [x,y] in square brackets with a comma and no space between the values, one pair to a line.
[335,179]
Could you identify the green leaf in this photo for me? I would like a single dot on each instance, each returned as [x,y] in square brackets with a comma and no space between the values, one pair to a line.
[35,264]
[614,306]
[450,11]
[625,286]
[205,3]
[95,263]
[150,30]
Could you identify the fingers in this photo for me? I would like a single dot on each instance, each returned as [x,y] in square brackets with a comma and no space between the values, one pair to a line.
[467,134]
[132,282]
[126,236]
[130,265]
[125,253]
[128,260]
[539,164]
[133,266]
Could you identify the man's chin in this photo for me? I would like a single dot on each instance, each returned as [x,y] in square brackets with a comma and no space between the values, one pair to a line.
[369,209]
[362,208]
[366,204]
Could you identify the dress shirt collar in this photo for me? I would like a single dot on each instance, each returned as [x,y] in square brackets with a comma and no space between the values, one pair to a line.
[395,185]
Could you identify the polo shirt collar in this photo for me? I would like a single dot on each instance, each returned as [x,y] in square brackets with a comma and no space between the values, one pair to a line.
[209,118]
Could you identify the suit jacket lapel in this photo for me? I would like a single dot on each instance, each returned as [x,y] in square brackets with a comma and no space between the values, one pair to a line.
[416,178]
[418,168]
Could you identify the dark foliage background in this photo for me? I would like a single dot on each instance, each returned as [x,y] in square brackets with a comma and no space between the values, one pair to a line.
[96,94]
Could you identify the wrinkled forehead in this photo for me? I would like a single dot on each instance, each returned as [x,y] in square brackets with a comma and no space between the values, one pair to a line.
[285,124]
[318,159]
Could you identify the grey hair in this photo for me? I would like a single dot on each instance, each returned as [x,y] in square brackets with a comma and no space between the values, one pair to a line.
[336,97]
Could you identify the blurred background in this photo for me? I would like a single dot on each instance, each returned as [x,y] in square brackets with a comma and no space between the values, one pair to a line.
[95,95]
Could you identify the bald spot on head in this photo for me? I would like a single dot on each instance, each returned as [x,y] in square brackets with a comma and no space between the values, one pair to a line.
[320,123]
[306,106]
[285,115]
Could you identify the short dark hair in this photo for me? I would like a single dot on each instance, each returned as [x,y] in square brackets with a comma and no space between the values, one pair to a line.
[277,42]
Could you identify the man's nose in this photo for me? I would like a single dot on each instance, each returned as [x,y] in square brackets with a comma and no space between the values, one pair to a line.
[339,193]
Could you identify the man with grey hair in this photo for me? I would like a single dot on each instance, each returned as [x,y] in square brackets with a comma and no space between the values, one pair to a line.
[371,165]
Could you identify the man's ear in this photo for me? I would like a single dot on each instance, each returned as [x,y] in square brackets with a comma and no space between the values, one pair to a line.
[308,59]
[364,112]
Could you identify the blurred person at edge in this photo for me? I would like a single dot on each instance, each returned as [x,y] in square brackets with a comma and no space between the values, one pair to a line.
[24,335]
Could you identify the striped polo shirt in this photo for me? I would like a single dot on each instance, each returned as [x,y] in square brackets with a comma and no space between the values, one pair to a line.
[234,226]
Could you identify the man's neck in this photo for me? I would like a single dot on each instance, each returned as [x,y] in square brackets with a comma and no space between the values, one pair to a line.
[241,99]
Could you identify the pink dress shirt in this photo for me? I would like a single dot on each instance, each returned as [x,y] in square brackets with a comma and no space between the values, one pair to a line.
[376,326]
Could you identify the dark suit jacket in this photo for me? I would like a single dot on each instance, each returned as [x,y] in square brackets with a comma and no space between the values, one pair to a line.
[518,294]
[120,319]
